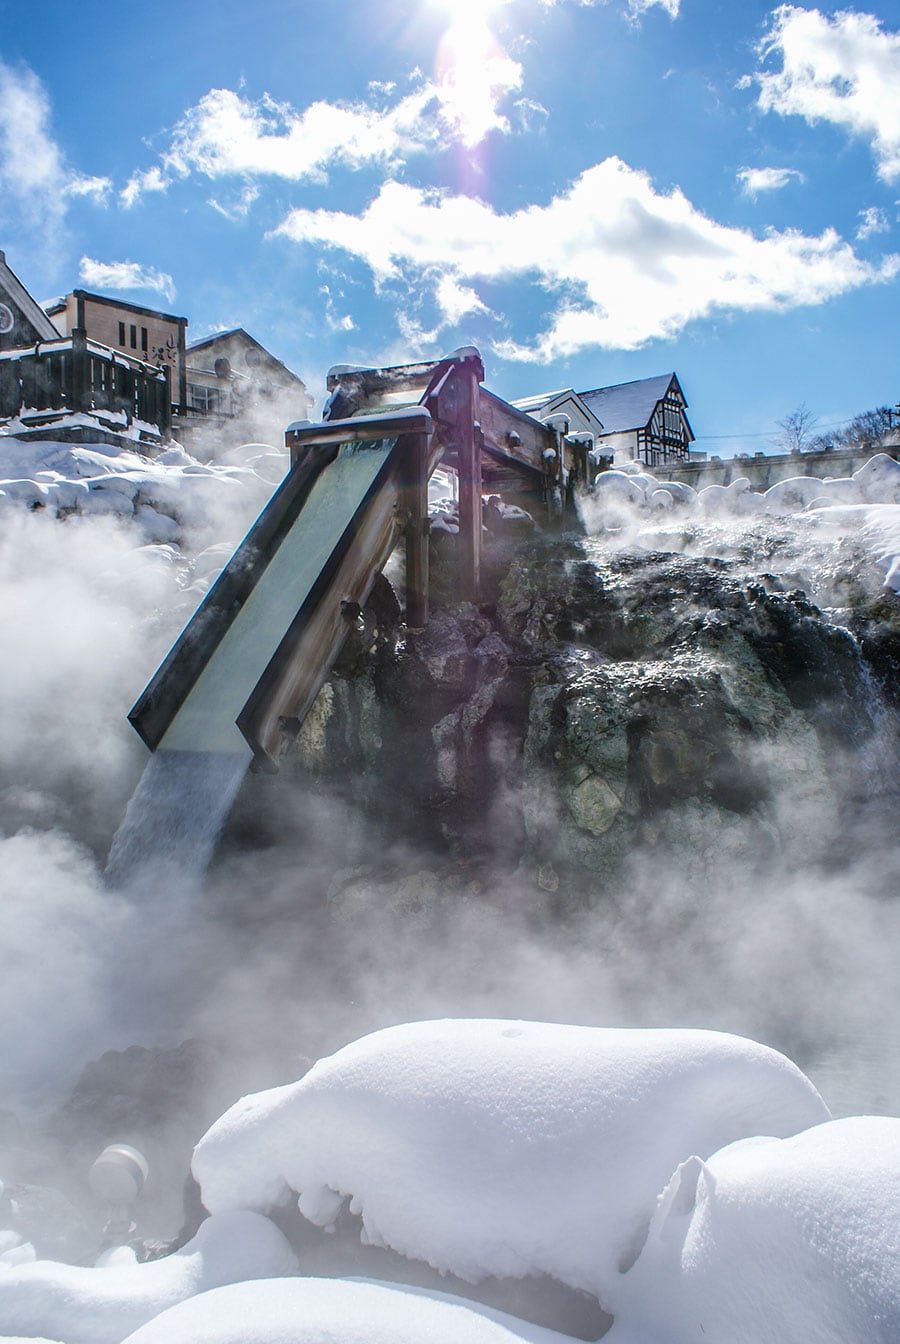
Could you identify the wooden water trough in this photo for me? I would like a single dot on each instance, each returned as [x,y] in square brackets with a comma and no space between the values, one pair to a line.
[251,661]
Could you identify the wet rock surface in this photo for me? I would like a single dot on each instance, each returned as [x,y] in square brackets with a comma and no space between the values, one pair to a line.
[607,699]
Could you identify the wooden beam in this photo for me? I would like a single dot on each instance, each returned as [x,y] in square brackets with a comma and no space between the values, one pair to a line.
[416,535]
[357,429]
[462,396]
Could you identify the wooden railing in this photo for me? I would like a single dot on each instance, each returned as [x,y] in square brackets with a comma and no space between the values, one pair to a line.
[76,374]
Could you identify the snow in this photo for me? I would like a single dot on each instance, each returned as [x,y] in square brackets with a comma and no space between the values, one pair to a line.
[335,1311]
[866,504]
[473,1144]
[164,494]
[102,1305]
[493,1148]
[793,1239]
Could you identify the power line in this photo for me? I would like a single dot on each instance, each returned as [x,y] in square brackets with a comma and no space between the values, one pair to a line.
[768,434]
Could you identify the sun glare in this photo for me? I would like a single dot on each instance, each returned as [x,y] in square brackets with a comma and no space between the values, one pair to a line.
[464,13]
[473,72]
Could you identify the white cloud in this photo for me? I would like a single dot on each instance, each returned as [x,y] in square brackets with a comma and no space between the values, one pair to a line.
[873,220]
[35,180]
[457,301]
[633,8]
[844,70]
[125,275]
[626,263]
[227,135]
[97,188]
[756,180]
[139,184]
[30,160]
[239,207]
[334,320]
[637,7]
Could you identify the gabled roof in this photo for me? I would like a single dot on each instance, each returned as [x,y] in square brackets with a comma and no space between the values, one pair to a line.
[209,343]
[566,399]
[30,309]
[537,403]
[629,405]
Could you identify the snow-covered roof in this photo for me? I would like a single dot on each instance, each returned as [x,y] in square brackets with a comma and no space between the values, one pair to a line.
[568,402]
[627,405]
[532,404]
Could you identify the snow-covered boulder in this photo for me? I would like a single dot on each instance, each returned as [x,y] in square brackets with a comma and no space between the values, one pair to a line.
[795,1240]
[102,1305]
[619,487]
[498,1147]
[793,494]
[878,480]
[335,1311]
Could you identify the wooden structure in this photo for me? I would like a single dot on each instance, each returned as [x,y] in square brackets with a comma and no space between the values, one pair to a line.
[80,375]
[45,369]
[249,665]
[491,445]
[145,335]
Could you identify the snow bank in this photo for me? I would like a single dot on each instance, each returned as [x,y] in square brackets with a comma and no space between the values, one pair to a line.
[502,1148]
[101,1306]
[794,1239]
[162,495]
[866,504]
[335,1311]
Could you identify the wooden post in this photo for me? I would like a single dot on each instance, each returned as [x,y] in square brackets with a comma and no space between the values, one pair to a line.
[80,372]
[468,442]
[417,536]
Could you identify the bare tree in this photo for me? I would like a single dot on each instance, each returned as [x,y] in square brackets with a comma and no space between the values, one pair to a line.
[797,430]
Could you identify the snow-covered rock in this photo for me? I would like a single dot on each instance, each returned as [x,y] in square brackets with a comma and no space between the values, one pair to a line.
[793,1239]
[335,1311]
[499,1147]
[102,1305]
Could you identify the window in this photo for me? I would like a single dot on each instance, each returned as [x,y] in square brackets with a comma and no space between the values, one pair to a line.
[144,339]
[121,333]
[206,400]
[133,335]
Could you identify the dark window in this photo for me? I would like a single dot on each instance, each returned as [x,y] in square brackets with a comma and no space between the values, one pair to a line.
[133,334]
[121,333]
[144,339]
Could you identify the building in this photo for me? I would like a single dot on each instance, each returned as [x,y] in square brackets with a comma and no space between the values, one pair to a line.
[645,420]
[566,403]
[48,371]
[142,333]
[224,390]
[236,387]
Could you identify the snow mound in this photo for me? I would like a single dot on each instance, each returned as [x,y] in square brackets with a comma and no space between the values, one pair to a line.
[866,504]
[335,1311]
[163,494]
[794,1239]
[100,1306]
[502,1148]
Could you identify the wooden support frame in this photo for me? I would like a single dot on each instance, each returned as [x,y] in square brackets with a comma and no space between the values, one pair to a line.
[416,536]
[468,455]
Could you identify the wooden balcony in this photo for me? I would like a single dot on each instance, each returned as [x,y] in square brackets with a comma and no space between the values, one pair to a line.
[77,375]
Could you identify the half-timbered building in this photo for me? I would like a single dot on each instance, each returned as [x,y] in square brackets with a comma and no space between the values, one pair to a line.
[645,420]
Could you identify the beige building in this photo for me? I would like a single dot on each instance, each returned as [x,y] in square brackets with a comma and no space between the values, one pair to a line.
[143,333]
[238,391]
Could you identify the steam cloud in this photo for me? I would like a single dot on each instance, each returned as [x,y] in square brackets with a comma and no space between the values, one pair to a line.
[276,958]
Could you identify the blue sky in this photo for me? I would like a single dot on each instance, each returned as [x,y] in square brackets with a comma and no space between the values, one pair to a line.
[588,191]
